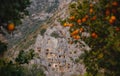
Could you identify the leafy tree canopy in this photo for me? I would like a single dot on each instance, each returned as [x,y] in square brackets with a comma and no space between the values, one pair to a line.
[97,22]
[12,11]
[3,47]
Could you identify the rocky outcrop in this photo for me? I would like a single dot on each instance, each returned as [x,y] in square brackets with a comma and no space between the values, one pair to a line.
[56,54]
[40,11]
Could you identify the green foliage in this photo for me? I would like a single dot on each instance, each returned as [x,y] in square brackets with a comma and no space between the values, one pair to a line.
[77,60]
[55,34]
[10,69]
[99,74]
[3,47]
[104,39]
[25,57]
[43,31]
[13,11]
[36,70]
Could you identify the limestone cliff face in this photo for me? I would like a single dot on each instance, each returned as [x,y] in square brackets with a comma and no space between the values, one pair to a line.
[40,11]
[42,32]
[26,33]
[56,54]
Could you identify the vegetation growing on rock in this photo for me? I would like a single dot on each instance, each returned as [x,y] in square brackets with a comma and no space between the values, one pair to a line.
[25,57]
[101,19]
[3,47]
[18,67]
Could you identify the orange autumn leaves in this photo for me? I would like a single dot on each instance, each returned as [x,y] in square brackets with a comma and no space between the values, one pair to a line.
[112,19]
[114,3]
[94,35]
[75,35]
[78,22]
[111,11]
[82,20]
[85,18]
[68,24]
[11,27]
[91,8]
[72,18]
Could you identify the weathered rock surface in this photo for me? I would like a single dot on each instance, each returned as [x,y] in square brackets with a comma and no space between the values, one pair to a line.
[40,11]
[56,54]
